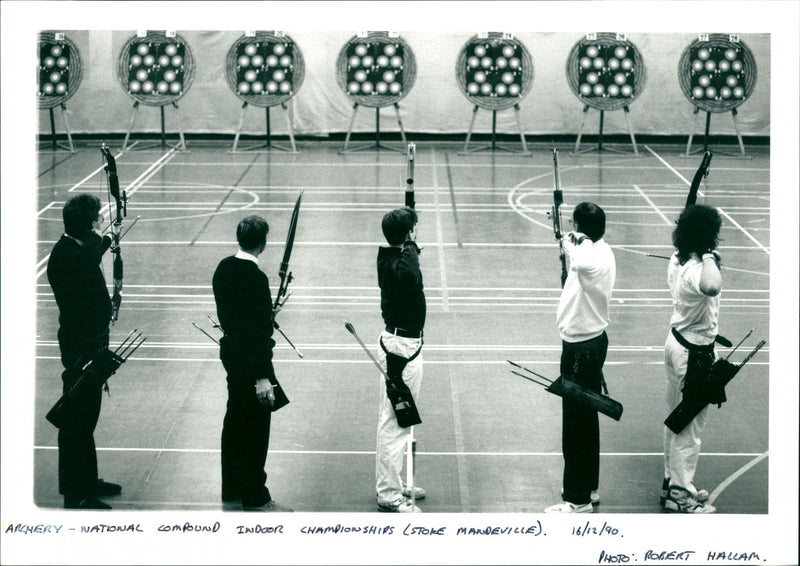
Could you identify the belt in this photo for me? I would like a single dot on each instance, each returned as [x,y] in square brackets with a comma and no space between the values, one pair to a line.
[689,346]
[403,333]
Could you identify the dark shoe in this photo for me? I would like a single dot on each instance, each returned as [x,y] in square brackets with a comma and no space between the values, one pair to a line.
[86,503]
[107,489]
[269,507]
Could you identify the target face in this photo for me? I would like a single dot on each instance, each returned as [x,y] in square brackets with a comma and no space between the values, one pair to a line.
[606,71]
[156,69]
[716,73]
[376,70]
[264,68]
[59,69]
[494,71]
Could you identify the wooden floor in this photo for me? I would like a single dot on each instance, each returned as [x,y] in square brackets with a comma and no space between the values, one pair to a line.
[490,441]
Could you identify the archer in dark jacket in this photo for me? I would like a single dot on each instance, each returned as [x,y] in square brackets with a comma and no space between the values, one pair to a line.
[84,306]
[244,307]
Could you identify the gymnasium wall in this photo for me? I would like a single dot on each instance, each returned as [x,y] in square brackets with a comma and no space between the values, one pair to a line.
[434,105]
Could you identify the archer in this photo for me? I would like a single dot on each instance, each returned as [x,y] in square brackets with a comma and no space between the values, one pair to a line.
[85,312]
[244,308]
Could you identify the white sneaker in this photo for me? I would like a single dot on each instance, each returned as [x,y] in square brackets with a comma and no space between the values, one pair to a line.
[567,507]
[399,505]
[419,493]
[681,501]
[594,497]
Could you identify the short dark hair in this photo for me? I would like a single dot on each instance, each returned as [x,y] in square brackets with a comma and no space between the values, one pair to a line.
[397,224]
[252,232]
[696,230]
[591,220]
[79,213]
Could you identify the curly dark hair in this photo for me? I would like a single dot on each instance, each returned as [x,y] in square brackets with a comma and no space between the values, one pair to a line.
[79,213]
[696,231]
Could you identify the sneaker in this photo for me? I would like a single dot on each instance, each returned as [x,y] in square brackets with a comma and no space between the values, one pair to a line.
[419,493]
[664,492]
[399,505]
[702,494]
[567,507]
[594,497]
[270,506]
[680,500]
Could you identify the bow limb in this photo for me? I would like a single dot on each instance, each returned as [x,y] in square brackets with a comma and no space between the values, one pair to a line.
[121,210]
[283,272]
[699,176]
[558,200]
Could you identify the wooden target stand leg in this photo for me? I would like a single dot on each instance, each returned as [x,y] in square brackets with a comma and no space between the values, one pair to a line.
[55,145]
[376,145]
[599,145]
[693,126]
[268,145]
[493,146]
[180,146]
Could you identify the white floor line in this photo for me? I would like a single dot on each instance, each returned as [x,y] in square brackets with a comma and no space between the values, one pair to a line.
[700,193]
[734,476]
[130,189]
[667,221]
[372,452]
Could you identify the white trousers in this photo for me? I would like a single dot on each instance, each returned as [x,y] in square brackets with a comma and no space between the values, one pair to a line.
[681,451]
[392,438]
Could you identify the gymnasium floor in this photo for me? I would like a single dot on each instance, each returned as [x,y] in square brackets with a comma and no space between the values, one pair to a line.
[490,441]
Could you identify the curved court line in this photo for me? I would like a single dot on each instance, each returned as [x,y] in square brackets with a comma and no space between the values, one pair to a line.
[734,476]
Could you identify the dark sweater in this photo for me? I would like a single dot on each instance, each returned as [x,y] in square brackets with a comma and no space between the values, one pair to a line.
[244,308]
[79,286]
[400,280]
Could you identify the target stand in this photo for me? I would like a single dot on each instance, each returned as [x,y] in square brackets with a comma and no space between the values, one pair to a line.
[494,145]
[599,145]
[268,144]
[717,73]
[376,145]
[606,72]
[156,69]
[180,145]
[54,144]
[376,69]
[265,69]
[494,71]
[693,128]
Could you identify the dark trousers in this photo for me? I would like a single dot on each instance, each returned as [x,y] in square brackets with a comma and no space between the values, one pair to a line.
[582,362]
[245,441]
[77,456]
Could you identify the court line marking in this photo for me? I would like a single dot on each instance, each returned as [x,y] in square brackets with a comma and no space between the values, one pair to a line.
[734,476]
[372,452]
[667,221]
[725,214]
[130,189]
[440,237]
[368,362]
[724,267]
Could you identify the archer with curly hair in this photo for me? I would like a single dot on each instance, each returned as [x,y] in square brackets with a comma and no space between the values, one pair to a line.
[695,284]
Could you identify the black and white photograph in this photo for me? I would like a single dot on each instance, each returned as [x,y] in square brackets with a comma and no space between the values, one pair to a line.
[400,282]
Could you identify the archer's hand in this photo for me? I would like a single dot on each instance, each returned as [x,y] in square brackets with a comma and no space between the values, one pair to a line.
[265,392]
[577,238]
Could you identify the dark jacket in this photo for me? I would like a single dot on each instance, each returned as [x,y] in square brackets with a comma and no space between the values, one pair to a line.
[79,287]
[244,308]
[400,280]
